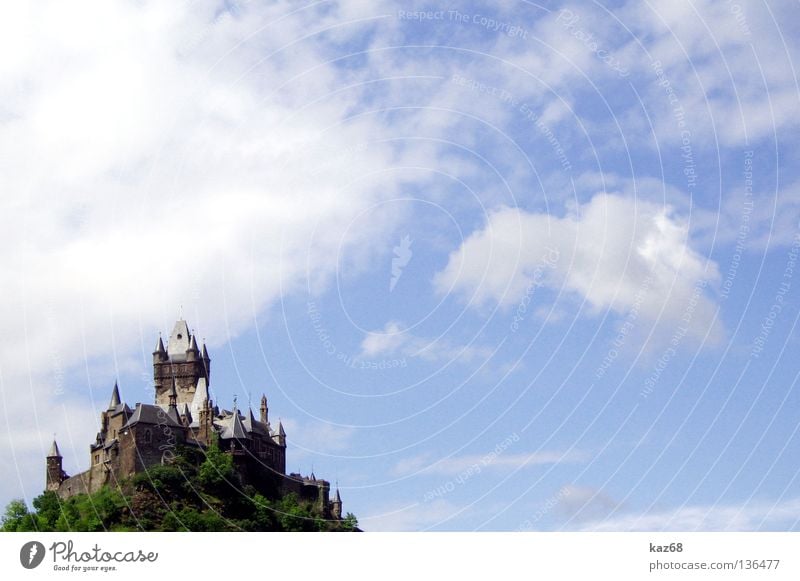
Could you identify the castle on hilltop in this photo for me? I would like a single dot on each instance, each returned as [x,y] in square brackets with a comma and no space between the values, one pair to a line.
[132,440]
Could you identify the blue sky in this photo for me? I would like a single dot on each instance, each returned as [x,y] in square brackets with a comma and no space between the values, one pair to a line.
[497,266]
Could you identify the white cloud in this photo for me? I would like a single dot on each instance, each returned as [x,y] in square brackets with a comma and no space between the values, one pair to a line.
[427,464]
[394,339]
[156,155]
[584,503]
[412,517]
[614,252]
[775,516]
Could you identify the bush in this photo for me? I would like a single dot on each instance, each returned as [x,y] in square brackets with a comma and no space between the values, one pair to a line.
[181,496]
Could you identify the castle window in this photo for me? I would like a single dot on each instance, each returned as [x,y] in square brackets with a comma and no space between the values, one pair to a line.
[148,437]
[97,458]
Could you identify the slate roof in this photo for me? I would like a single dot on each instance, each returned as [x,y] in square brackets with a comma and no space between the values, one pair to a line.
[232,427]
[200,395]
[150,414]
[179,341]
[115,399]
[54,452]
[251,424]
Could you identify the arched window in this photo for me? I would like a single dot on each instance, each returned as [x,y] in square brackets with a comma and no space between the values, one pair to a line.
[148,437]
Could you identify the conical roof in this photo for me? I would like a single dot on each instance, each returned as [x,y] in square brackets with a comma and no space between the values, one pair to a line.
[179,340]
[115,399]
[54,452]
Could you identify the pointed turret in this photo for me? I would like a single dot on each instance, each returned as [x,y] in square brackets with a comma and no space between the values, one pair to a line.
[192,353]
[280,436]
[54,451]
[55,474]
[206,362]
[179,340]
[336,505]
[172,412]
[173,394]
[200,395]
[160,354]
[264,409]
[115,399]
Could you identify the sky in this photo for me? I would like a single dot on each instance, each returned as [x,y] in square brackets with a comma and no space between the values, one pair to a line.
[496,265]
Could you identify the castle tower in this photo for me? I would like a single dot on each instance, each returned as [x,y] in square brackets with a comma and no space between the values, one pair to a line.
[55,472]
[280,437]
[264,409]
[206,419]
[182,362]
[336,505]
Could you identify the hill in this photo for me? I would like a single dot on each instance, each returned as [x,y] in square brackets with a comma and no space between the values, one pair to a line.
[189,494]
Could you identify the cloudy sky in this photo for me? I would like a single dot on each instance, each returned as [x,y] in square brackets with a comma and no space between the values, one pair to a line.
[498,266]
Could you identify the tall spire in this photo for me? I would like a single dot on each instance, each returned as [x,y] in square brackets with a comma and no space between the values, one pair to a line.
[264,409]
[173,393]
[336,504]
[160,354]
[280,437]
[115,399]
[54,452]
[172,412]
[200,395]
[179,340]
[192,353]
[206,362]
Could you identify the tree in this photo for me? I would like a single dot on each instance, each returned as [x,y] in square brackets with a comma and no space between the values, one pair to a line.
[189,494]
[48,510]
[350,522]
[216,473]
[18,518]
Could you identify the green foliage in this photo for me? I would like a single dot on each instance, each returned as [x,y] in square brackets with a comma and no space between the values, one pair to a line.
[185,495]
[48,510]
[17,518]
[350,522]
[216,473]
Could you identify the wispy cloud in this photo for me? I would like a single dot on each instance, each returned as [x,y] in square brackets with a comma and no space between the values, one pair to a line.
[775,516]
[393,339]
[427,464]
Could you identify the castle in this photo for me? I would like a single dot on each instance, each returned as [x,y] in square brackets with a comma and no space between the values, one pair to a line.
[132,440]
